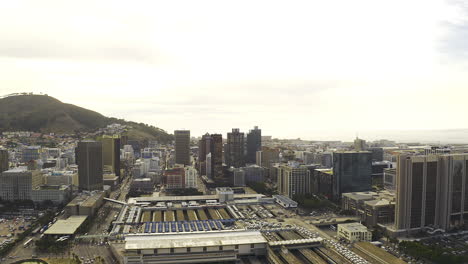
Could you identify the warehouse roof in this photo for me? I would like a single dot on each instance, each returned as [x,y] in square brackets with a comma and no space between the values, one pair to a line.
[66,227]
[206,239]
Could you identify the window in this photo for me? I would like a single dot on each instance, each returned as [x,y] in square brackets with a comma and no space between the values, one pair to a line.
[252,245]
[236,247]
[204,249]
[220,248]
[188,249]
[172,250]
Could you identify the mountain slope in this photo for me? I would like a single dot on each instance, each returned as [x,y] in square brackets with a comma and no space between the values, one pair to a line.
[42,113]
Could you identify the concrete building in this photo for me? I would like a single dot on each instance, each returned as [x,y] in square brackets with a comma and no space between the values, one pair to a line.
[204,247]
[143,185]
[377,153]
[175,178]
[431,191]
[224,194]
[293,179]
[354,232]
[18,183]
[238,175]
[373,208]
[89,160]
[359,144]
[352,172]
[85,203]
[267,156]
[4,162]
[182,147]
[191,177]
[235,149]
[254,173]
[322,182]
[389,179]
[61,178]
[254,144]
[58,194]
[111,153]
[31,153]
[284,201]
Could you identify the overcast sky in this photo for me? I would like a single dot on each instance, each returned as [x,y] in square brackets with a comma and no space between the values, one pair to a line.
[309,69]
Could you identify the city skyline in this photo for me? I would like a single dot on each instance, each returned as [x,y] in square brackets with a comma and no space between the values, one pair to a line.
[304,70]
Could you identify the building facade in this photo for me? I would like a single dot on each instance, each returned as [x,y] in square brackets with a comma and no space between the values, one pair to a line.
[254,144]
[89,160]
[111,153]
[432,191]
[18,183]
[235,149]
[293,180]
[352,172]
[182,147]
[4,163]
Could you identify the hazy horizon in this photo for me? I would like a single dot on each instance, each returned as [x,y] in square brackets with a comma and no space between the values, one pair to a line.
[306,69]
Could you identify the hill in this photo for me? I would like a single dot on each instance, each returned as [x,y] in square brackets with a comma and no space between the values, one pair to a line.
[42,113]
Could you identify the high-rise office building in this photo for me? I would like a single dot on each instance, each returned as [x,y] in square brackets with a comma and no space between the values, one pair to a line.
[352,172]
[254,144]
[182,147]
[4,164]
[234,151]
[431,190]
[293,179]
[89,160]
[111,154]
[217,156]
[268,156]
[213,145]
[18,183]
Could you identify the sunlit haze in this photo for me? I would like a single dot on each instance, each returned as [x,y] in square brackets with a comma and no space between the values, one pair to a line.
[308,69]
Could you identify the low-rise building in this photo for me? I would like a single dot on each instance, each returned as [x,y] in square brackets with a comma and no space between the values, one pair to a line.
[58,194]
[373,208]
[85,204]
[285,201]
[144,185]
[194,247]
[354,232]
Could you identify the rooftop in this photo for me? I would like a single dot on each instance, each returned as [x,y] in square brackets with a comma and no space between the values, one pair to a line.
[354,227]
[206,239]
[17,169]
[66,227]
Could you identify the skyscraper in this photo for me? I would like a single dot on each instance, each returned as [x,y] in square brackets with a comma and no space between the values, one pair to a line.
[254,144]
[293,180]
[235,149]
[89,160]
[352,172]
[431,190]
[4,165]
[182,147]
[111,153]
[211,144]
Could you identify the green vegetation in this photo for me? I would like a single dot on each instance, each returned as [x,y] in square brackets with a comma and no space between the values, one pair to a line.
[308,201]
[42,113]
[261,187]
[49,244]
[434,254]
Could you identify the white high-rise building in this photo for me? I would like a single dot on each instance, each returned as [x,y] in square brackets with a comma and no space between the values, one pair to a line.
[190,177]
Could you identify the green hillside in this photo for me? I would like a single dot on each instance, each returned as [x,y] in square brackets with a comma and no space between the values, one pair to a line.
[42,113]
